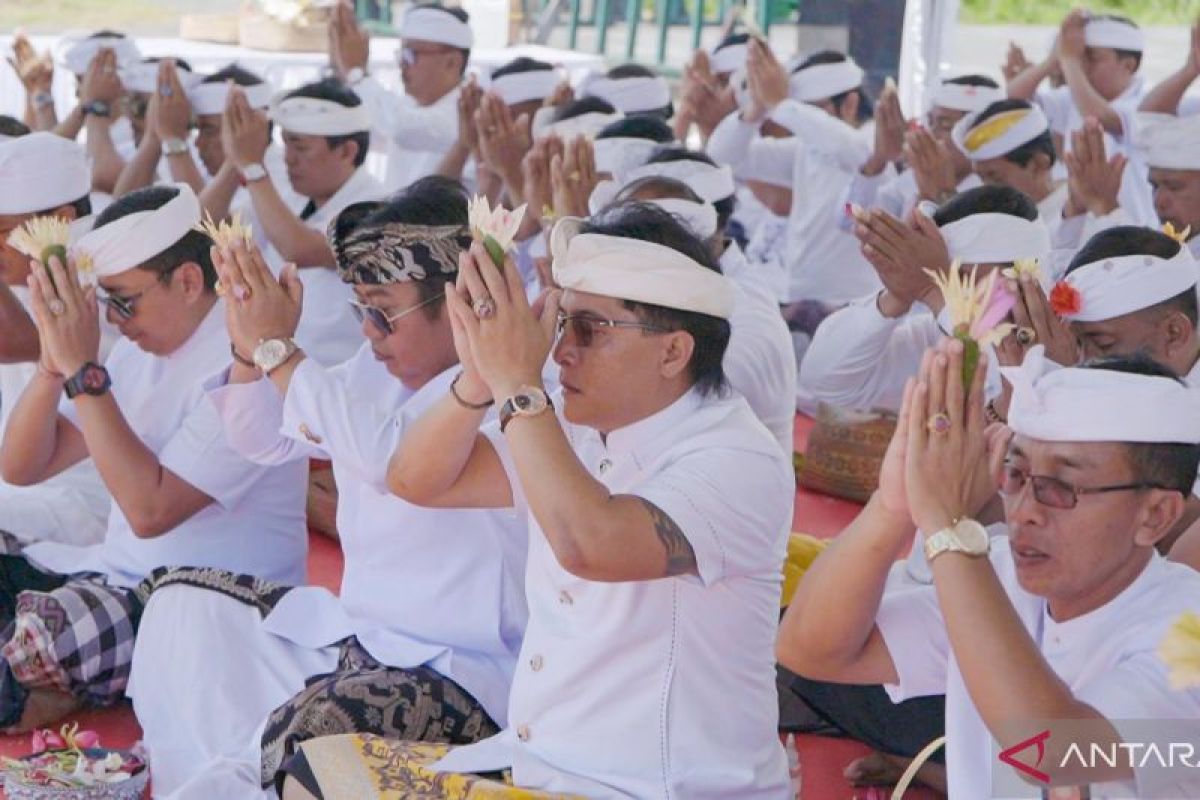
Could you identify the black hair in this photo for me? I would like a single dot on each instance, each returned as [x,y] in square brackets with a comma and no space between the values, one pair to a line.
[986,199]
[330,89]
[12,127]
[82,207]
[459,14]
[866,109]
[638,127]
[584,105]
[1131,240]
[106,33]
[973,80]
[649,223]
[1134,54]
[433,200]
[724,206]
[179,62]
[232,72]
[1166,465]
[194,246]
[521,64]
[732,40]
[640,71]
[1042,143]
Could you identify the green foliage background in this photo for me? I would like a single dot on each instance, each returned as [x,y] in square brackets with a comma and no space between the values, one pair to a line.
[1049,12]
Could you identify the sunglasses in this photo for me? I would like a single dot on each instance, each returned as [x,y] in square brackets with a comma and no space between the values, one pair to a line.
[122,305]
[1056,493]
[583,326]
[409,55]
[383,322]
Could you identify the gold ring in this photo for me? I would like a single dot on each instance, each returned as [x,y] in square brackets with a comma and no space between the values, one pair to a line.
[1026,336]
[57,308]
[574,177]
[939,423]
[219,288]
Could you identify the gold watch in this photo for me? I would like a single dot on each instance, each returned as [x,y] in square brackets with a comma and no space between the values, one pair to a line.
[964,536]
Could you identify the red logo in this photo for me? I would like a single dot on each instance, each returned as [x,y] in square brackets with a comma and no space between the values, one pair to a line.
[1038,741]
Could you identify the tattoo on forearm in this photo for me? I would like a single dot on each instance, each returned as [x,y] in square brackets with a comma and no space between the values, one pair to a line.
[681,559]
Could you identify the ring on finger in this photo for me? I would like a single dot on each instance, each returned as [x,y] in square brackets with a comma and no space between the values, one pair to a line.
[939,423]
[166,91]
[241,292]
[574,177]
[1026,335]
[484,307]
[57,308]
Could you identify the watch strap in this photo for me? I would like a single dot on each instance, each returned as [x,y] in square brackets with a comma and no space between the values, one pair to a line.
[254,172]
[509,409]
[174,147]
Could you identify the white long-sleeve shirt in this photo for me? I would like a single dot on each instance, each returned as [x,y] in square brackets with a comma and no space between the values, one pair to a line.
[418,136]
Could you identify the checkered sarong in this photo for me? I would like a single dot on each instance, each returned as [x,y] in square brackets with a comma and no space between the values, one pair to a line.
[77,638]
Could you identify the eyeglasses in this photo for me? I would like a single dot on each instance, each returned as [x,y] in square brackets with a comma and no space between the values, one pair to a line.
[409,55]
[1055,493]
[383,322]
[583,326]
[122,305]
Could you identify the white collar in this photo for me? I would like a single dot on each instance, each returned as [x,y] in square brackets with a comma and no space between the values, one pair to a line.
[646,434]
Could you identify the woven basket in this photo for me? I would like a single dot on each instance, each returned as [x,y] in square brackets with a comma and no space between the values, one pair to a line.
[845,451]
[220,28]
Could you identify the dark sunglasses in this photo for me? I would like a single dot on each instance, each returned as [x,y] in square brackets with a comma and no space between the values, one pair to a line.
[122,305]
[1056,493]
[583,326]
[381,321]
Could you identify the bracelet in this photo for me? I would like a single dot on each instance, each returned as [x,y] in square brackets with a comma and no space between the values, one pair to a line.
[992,415]
[464,403]
[241,359]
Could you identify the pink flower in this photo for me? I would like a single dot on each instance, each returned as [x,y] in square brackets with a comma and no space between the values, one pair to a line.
[87,739]
[998,303]
[39,741]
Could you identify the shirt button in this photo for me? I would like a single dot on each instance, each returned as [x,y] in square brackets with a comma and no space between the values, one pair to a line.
[523,733]
[536,663]
[605,466]
[565,598]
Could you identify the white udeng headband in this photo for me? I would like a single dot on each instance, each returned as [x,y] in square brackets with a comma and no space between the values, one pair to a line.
[1115,34]
[962,97]
[433,25]
[1169,142]
[1073,404]
[700,218]
[309,116]
[143,77]
[636,270]
[1118,286]
[822,81]
[585,125]
[630,95]
[75,52]
[618,154]
[713,184]
[136,238]
[728,58]
[995,239]
[1032,125]
[210,98]
[521,87]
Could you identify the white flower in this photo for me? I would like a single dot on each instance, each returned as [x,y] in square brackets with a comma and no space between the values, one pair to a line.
[496,224]
[226,234]
[39,235]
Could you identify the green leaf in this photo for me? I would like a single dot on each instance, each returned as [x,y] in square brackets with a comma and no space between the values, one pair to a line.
[494,250]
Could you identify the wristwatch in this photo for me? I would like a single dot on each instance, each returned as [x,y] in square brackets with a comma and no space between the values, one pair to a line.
[271,353]
[174,147]
[529,401]
[97,108]
[43,99]
[254,172]
[964,536]
[91,379]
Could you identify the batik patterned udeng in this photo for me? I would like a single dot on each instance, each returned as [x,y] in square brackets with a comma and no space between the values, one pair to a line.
[398,252]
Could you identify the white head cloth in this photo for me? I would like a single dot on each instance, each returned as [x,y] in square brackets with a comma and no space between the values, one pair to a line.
[40,171]
[309,116]
[143,77]
[700,218]
[136,238]
[1115,34]
[521,87]
[998,135]
[629,95]
[76,51]
[996,239]
[964,97]
[822,81]
[619,154]
[729,58]
[585,125]
[210,98]
[712,184]
[435,25]
[773,162]
[1118,286]
[636,270]
[1170,142]
[1073,404]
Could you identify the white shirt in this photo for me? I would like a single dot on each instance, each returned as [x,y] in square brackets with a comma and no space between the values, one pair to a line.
[766,250]
[824,262]
[329,331]
[659,688]
[760,362]
[895,194]
[255,524]
[1121,676]
[442,587]
[418,136]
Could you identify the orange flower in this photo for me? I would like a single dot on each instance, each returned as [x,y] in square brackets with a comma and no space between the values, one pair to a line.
[1065,299]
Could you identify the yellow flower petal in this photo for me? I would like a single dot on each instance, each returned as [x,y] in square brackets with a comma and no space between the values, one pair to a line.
[1180,651]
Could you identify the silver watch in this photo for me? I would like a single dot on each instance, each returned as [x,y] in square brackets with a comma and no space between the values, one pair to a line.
[174,147]
[270,354]
[254,172]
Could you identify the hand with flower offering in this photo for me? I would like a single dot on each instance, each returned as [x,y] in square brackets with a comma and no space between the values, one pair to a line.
[66,314]
[977,310]
[1180,651]
[1035,322]
[494,228]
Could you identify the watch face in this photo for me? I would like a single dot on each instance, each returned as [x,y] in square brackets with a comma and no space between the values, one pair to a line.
[974,537]
[93,379]
[529,402]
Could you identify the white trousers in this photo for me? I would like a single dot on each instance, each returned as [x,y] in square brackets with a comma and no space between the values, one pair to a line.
[50,512]
[205,677]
